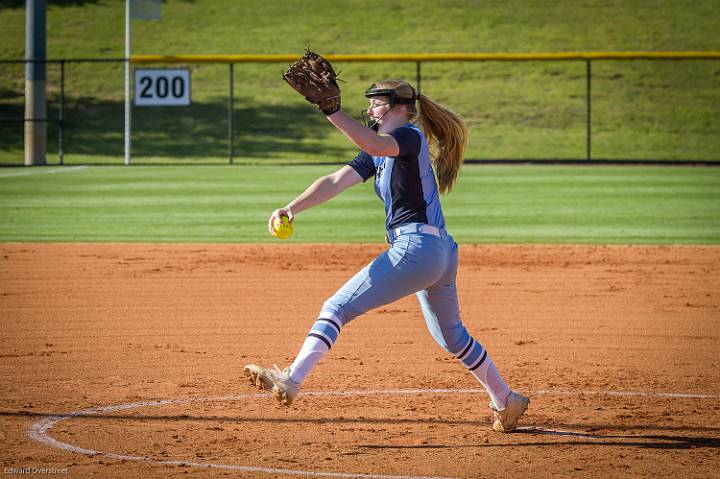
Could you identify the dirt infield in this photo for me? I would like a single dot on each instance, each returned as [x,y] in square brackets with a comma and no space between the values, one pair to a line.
[618,348]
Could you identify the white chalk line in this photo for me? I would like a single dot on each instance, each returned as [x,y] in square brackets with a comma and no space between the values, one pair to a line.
[39,431]
[539,392]
[35,171]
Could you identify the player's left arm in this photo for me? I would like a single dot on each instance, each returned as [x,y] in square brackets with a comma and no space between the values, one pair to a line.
[377,144]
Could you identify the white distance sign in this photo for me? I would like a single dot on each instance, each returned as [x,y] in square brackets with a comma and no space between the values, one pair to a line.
[162,87]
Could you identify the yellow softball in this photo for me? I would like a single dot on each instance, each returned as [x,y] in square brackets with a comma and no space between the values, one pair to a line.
[282,228]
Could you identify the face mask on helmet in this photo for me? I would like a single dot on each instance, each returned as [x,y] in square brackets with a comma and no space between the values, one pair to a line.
[371,122]
[391,93]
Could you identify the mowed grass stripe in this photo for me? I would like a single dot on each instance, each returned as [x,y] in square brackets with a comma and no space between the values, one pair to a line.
[490,204]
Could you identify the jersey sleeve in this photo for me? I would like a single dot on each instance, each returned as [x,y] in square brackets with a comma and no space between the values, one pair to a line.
[408,140]
[364,165]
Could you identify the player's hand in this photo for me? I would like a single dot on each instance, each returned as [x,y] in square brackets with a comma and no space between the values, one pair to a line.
[285,211]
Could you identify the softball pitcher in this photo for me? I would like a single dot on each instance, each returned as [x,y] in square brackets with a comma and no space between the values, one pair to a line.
[422,256]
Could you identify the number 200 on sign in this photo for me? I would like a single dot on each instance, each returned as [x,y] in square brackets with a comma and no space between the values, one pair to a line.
[162,87]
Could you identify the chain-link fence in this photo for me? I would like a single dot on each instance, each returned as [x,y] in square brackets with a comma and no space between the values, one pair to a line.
[545,110]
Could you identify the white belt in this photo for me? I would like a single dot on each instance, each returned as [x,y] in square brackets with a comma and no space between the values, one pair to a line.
[414,228]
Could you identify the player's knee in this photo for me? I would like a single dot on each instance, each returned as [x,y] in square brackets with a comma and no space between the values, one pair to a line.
[452,340]
[342,312]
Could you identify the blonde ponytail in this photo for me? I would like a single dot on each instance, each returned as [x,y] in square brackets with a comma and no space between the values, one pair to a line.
[447,137]
[444,130]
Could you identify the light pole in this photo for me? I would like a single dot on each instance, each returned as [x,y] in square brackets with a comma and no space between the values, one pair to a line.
[35,87]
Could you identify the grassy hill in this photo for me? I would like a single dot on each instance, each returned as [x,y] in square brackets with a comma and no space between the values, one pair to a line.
[641,109]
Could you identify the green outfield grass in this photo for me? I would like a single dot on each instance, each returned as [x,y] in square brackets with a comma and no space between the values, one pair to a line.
[491,204]
[641,110]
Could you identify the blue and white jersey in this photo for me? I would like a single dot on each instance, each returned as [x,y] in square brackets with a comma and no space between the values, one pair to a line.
[405,183]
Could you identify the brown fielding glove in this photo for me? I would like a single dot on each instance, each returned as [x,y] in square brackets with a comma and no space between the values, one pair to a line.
[314,78]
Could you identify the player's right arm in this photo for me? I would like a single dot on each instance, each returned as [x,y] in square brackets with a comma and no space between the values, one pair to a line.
[322,189]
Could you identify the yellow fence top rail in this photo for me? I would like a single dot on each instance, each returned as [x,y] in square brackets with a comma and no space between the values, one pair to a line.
[430,57]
